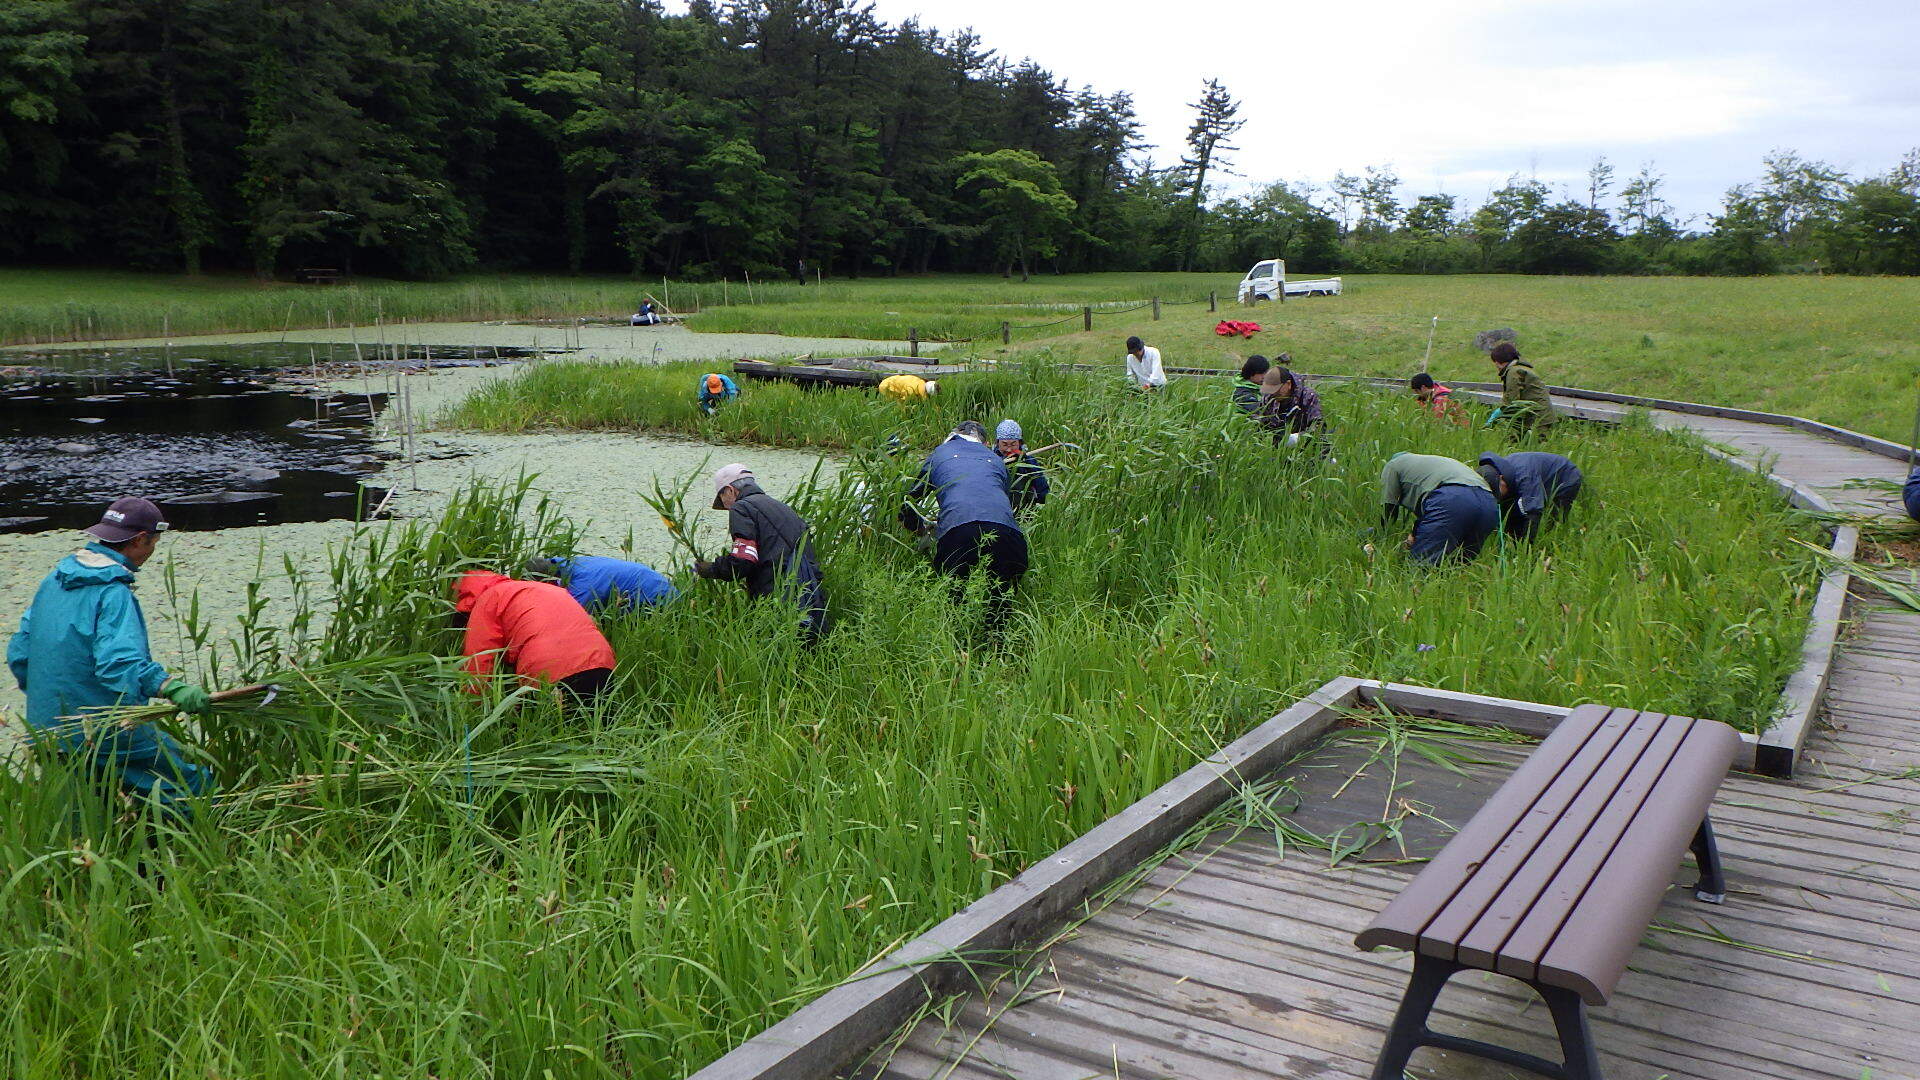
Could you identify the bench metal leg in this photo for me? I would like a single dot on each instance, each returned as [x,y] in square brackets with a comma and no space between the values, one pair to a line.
[1706,855]
[1410,1031]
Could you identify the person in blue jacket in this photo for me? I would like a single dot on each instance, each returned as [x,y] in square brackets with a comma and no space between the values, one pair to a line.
[82,645]
[603,585]
[1910,494]
[976,526]
[1530,484]
[715,390]
[1028,485]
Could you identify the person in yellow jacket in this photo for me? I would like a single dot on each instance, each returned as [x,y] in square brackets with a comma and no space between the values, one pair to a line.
[907,387]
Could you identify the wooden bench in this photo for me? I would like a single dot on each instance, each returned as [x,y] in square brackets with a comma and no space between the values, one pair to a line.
[318,275]
[1556,878]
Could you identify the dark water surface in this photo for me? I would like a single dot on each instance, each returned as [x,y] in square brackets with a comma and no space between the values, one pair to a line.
[219,437]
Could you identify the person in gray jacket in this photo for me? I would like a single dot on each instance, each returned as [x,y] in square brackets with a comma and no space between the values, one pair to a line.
[770,553]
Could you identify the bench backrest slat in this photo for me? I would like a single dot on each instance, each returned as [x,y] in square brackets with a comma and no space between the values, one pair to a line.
[1400,925]
[1504,888]
[1590,828]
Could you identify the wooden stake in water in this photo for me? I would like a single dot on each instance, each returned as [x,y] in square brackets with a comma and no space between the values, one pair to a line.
[1430,332]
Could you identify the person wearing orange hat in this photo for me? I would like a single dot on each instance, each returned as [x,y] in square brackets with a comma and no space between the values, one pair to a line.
[535,628]
[714,389]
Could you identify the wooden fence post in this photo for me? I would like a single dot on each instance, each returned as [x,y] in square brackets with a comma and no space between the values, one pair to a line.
[1156,309]
[1086,316]
[1213,300]
[913,341]
[1006,333]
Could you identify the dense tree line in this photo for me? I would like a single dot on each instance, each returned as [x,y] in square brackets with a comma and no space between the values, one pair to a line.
[421,138]
[1799,216]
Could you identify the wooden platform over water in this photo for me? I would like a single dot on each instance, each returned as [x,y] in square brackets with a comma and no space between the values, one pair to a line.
[848,371]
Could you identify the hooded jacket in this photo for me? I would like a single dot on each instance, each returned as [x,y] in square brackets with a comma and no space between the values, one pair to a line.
[1246,396]
[1524,396]
[82,643]
[538,630]
[770,551]
[970,482]
[1535,477]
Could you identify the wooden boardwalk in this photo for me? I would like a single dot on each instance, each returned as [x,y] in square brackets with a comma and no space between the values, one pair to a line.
[1236,960]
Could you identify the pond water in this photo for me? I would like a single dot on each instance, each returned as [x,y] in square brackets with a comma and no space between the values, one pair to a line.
[219,420]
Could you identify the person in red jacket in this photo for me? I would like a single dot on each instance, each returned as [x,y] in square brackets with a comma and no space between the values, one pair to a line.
[537,629]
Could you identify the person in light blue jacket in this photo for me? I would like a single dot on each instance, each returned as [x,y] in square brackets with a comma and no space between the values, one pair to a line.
[82,645]
[603,585]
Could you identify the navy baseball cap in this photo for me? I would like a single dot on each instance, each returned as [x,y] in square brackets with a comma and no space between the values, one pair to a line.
[128,518]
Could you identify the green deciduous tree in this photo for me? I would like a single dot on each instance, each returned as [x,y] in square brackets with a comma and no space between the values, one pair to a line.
[1022,205]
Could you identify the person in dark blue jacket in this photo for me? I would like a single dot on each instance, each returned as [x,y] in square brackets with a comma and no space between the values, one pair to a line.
[1910,494]
[976,526]
[603,585]
[1528,485]
[1027,478]
[82,645]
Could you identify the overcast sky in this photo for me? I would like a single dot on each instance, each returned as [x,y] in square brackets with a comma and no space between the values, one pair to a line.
[1458,94]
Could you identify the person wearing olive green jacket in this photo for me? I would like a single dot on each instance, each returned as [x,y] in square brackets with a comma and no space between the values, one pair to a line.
[1524,401]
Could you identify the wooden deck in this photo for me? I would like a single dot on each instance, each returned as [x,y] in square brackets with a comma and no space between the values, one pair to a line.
[1236,960]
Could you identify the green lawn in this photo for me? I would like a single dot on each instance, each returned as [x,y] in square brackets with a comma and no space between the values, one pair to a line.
[1838,349]
[1842,350]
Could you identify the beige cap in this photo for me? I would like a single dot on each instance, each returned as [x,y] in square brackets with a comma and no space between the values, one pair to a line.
[727,476]
[932,387]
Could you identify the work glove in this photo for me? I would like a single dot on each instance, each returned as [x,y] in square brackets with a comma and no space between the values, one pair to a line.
[702,567]
[187,697]
[1493,417]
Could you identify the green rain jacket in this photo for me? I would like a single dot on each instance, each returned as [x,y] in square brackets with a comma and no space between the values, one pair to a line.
[1524,397]
[83,642]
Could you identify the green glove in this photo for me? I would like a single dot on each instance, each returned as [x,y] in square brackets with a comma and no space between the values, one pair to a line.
[187,697]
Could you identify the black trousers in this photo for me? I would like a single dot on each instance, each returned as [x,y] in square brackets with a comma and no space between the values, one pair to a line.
[1001,549]
[583,688]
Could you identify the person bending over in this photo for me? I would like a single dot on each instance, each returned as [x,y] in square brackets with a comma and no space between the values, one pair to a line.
[771,554]
[1453,510]
[1530,485]
[535,629]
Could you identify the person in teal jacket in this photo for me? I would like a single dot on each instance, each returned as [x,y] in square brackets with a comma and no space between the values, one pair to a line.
[82,645]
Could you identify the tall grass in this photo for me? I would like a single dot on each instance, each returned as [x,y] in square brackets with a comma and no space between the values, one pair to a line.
[407,879]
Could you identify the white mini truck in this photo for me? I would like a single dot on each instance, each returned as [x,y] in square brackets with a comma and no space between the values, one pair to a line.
[1268,281]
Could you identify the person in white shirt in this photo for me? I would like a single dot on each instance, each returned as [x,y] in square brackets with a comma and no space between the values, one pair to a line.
[1143,366]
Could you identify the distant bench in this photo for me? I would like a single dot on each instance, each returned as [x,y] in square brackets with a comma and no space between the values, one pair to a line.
[1556,878]
[318,275]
